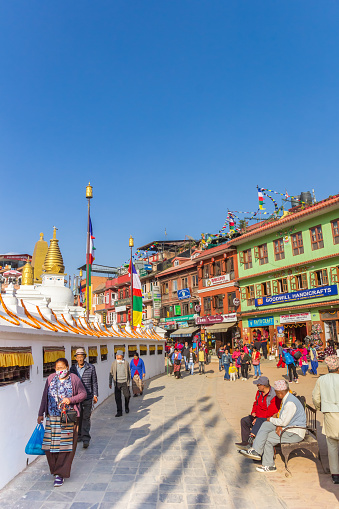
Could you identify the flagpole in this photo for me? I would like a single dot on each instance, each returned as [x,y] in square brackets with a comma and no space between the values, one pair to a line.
[89,196]
[131,245]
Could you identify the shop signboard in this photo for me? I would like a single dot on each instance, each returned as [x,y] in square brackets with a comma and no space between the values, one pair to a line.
[261,322]
[182,324]
[148,267]
[218,280]
[184,318]
[177,310]
[156,306]
[120,309]
[314,293]
[298,317]
[184,294]
[210,320]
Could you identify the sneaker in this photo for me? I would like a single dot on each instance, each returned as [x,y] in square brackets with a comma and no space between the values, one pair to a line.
[85,445]
[250,453]
[118,415]
[296,381]
[58,481]
[335,478]
[261,468]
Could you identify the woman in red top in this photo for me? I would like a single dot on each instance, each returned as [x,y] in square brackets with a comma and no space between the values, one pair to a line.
[138,373]
[256,362]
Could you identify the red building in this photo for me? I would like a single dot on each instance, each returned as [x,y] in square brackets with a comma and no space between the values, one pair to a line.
[118,299]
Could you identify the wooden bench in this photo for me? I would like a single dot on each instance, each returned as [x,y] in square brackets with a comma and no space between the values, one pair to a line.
[309,443]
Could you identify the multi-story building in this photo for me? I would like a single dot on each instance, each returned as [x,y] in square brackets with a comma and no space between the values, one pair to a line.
[288,274]
[219,295]
[98,303]
[179,297]
[118,299]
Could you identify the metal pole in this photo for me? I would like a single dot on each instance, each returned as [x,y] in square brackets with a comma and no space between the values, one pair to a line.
[131,290]
[87,263]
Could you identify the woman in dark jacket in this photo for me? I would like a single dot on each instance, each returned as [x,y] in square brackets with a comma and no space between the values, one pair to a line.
[63,391]
[138,373]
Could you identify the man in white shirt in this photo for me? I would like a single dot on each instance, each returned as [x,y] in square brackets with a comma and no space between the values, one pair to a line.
[291,413]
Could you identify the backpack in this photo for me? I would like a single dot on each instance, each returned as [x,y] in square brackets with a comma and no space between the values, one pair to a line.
[297,355]
[288,358]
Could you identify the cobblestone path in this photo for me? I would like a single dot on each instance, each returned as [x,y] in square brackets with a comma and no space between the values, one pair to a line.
[174,450]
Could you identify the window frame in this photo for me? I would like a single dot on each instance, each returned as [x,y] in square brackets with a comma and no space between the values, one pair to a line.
[335,236]
[247,257]
[250,295]
[319,242]
[297,243]
[263,254]
[279,249]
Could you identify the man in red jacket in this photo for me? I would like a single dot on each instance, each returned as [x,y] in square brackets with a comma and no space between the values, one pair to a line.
[265,405]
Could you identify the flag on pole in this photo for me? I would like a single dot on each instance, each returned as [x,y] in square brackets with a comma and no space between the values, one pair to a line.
[90,259]
[260,198]
[137,295]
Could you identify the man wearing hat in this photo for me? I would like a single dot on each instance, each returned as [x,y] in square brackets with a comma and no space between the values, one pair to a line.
[326,398]
[265,405]
[121,375]
[291,413]
[87,374]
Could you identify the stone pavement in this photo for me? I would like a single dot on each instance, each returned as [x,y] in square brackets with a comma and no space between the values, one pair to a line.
[174,450]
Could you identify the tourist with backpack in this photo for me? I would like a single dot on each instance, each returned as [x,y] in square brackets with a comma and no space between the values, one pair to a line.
[290,361]
[314,360]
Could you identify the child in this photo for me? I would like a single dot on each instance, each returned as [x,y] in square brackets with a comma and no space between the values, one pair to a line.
[238,365]
[233,372]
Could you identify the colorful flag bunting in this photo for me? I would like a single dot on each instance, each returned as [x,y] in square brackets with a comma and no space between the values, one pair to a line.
[137,295]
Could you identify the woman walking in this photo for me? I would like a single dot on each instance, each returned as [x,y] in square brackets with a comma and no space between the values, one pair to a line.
[138,373]
[256,363]
[63,391]
[176,359]
[314,360]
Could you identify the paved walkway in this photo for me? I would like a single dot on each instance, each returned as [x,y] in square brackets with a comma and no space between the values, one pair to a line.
[174,450]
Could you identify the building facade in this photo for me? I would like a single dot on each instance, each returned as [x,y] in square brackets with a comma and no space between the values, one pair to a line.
[288,275]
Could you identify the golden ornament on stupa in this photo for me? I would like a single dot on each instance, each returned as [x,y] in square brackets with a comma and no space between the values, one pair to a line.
[54,263]
[39,255]
[27,274]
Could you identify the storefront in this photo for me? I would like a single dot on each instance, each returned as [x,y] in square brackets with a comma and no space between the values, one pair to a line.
[259,329]
[219,330]
[295,327]
[180,327]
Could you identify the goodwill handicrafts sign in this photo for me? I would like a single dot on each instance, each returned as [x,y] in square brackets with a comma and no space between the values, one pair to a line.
[324,291]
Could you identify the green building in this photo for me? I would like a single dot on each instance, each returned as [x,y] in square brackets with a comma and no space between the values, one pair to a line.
[288,275]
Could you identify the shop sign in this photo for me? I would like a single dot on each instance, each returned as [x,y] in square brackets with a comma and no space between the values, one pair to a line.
[182,324]
[184,294]
[156,307]
[177,310]
[169,326]
[218,280]
[236,302]
[314,293]
[261,322]
[298,317]
[184,318]
[210,320]
[120,309]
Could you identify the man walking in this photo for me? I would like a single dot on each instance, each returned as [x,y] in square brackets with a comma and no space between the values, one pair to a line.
[191,361]
[201,360]
[220,354]
[325,398]
[120,374]
[87,374]
[185,354]
[226,360]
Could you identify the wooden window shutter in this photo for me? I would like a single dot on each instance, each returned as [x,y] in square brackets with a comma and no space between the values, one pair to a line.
[284,285]
[243,293]
[275,287]
[304,280]
[252,291]
[256,252]
[334,274]
[325,277]
[313,279]
[293,283]
[268,288]
[241,258]
[258,290]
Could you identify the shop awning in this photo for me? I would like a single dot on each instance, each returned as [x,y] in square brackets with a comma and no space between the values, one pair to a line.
[185,332]
[220,327]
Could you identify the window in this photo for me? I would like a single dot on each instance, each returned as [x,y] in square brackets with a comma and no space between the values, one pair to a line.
[164,289]
[121,294]
[218,303]
[317,241]
[263,289]
[159,350]
[217,268]
[279,286]
[152,349]
[176,263]
[174,285]
[184,282]
[319,278]
[230,267]
[207,305]
[10,374]
[247,259]
[335,231]
[103,352]
[206,271]
[297,244]
[50,355]
[144,289]
[230,298]
[298,282]
[263,255]
[279,253]
[131,350]
[113,298]
[143,350]
[195,280]
[185,309]
[92,354]
[247,293]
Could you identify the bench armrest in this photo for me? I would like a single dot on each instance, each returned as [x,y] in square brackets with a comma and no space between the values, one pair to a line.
[291,427]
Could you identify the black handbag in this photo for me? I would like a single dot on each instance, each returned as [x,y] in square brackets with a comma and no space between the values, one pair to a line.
[68,416]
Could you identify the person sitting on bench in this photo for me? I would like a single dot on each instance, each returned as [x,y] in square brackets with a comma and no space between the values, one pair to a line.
[292,413]
[266,404]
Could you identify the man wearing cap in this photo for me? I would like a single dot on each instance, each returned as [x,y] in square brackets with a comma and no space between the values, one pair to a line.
[265,405]
[87,374]
[291,413]
[326,398]
[121,375]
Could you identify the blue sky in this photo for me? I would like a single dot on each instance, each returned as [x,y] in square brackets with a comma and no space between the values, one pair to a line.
[174,110]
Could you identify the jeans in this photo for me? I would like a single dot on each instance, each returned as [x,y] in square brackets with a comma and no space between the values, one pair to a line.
[257,371]
[244,370]
[247,426]
[226,368]
[292,372]
[201,367]
[191,367]
[220,364]
[267,438]
[186,363]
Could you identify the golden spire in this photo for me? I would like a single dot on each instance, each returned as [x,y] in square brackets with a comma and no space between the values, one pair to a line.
[27,274]
[54,263]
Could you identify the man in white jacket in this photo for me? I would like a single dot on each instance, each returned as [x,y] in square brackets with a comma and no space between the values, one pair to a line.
[291,413]
[326,398]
